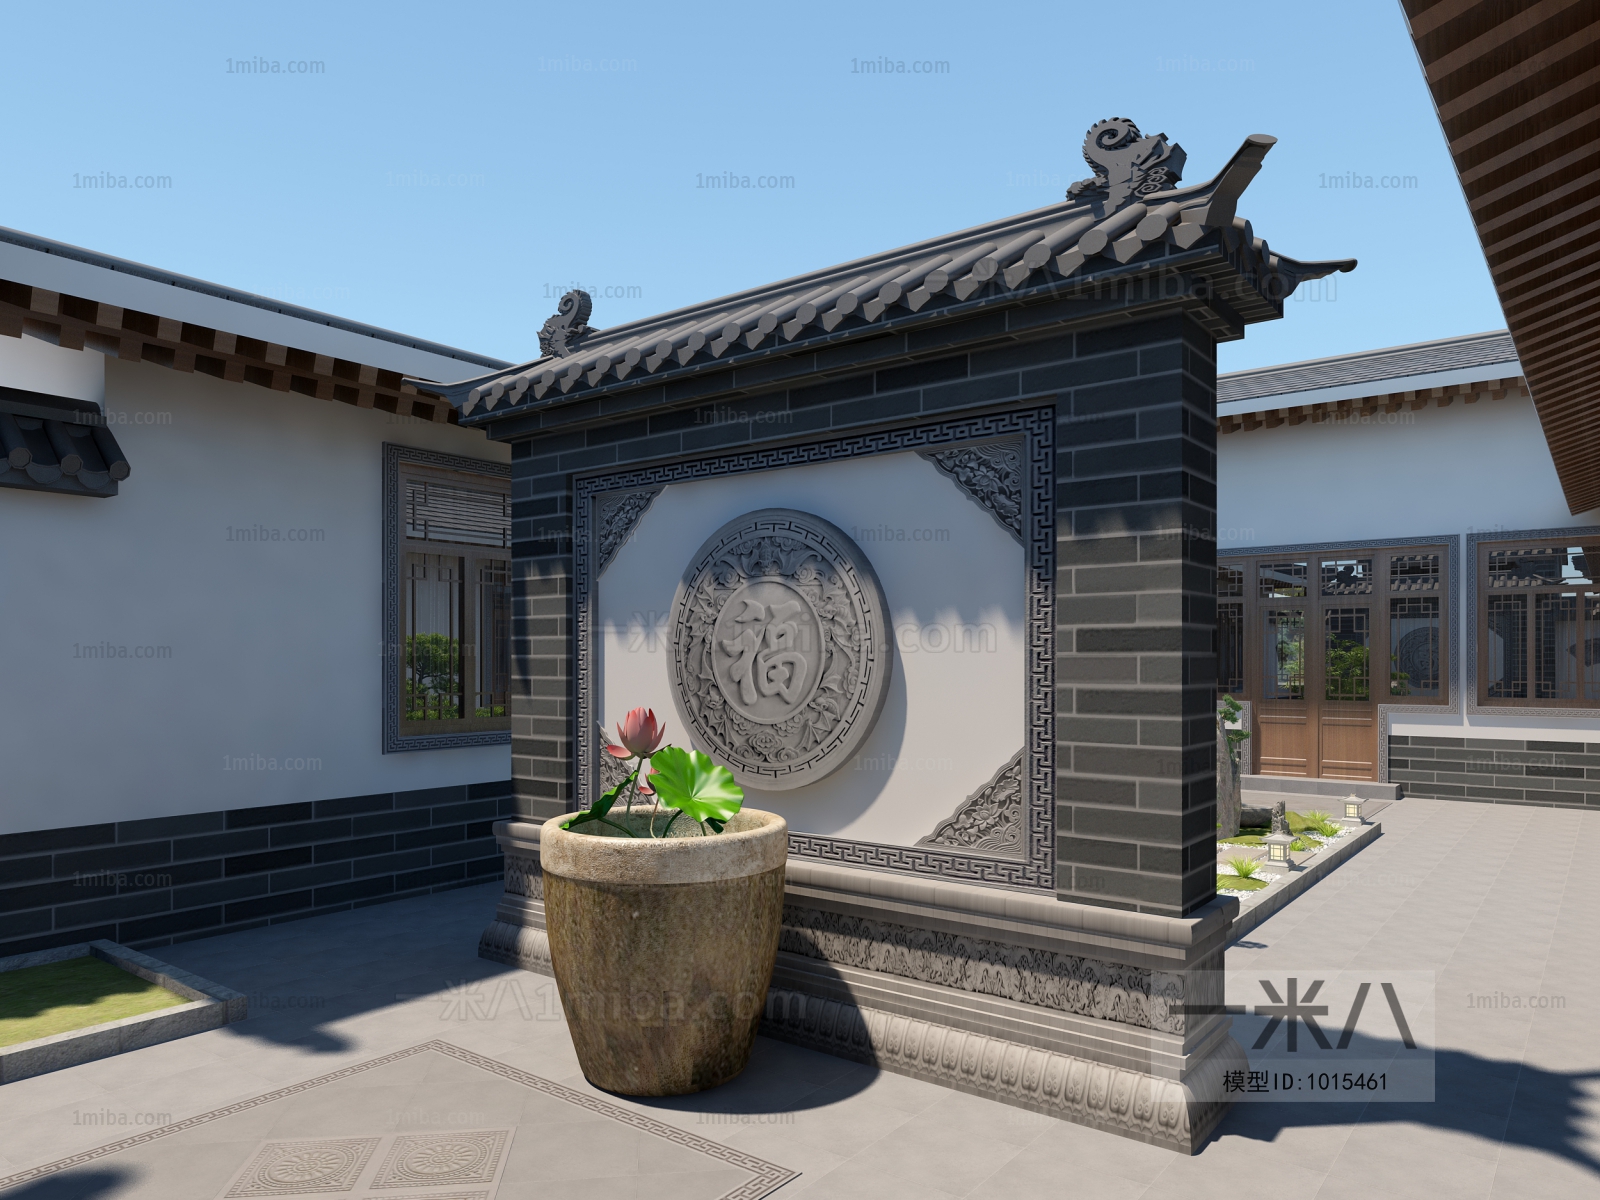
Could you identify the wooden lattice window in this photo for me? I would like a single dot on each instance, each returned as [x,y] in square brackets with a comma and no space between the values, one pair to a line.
[1539,631]
[455,602]
[1350,610]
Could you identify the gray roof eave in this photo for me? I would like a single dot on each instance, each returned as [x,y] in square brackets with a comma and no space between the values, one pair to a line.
[1202,260]
[1443,362]
[122,266]
[1050,249]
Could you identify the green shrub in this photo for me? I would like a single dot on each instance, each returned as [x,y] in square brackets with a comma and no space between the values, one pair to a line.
[1321,822]
[1243,867]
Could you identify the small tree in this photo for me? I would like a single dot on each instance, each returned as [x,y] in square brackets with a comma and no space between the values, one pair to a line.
[1229,769]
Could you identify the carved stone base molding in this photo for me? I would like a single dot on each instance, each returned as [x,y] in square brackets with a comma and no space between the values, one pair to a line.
[516,936]
[516,946]
[1098,1016]
[1165,1112]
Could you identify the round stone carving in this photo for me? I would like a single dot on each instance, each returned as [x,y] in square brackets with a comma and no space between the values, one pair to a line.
[781,648]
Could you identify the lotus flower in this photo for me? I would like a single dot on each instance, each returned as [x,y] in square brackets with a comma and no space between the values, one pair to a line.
[639,733]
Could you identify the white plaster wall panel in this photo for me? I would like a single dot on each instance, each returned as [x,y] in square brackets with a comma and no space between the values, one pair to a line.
[1474,468]
[1466,468]
[275,645]
[36,366]
[953,579]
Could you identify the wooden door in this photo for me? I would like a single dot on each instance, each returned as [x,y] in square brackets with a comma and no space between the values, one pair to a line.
[1285,714]
[1314,640]
[1347,714]
[1282,619]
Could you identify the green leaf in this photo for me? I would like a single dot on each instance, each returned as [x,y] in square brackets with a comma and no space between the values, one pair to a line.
[690,782]
[601,806]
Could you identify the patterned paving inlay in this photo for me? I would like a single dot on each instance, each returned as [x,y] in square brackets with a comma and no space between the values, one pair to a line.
[363,1133]
[286,1168]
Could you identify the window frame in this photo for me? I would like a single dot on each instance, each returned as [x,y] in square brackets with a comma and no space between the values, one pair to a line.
[1479,548]
[398,463]
[1250,559]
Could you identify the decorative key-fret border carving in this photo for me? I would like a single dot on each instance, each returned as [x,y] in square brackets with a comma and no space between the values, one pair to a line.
[1034,431]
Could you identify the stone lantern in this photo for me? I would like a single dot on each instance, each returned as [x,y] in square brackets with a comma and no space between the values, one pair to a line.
[1277,845]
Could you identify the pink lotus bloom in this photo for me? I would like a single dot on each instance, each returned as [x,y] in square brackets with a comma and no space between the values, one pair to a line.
[639,733]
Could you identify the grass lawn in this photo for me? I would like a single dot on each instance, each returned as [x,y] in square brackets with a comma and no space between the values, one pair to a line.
[75,993]
[1236,883]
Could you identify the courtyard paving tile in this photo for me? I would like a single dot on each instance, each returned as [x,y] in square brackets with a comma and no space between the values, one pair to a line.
[1495,899]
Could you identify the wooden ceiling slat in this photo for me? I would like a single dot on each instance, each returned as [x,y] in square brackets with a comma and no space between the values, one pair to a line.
[1527,113]
[1531,71]
[1582,234]
[1544,200]
[1493,41]
[1508,157]
[1438,15]
[1505,80]
[1485,200]
[1524,233]
[1532,311]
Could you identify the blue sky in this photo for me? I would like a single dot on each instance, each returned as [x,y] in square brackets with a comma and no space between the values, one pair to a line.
[446,170]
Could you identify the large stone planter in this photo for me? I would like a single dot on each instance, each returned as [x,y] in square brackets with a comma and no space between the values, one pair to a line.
[663,949]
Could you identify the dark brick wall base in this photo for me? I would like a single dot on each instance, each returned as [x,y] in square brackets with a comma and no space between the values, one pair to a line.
[169,879]
[1495,771]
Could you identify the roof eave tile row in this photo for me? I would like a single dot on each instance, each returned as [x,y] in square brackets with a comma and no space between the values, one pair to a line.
[1368,406]
[76,323]
[1043,251]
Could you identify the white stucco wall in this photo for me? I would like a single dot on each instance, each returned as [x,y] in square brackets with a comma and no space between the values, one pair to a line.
[255,650]
[955,709]
[1468,468]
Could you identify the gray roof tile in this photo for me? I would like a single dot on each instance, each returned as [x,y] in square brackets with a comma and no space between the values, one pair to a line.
[1395,362]
[1128,210]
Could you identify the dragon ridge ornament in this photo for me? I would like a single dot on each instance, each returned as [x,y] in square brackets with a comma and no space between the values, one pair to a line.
[781,648]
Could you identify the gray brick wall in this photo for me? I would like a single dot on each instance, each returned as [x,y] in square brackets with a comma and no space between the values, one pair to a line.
[1495,771]
[1135,616]
[169,879]
[1136,510]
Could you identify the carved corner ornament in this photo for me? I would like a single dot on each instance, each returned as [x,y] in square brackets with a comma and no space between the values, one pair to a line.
[562,332]
[989,820]
[781,648]
[1127,166]
[991,474]
[614,520]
